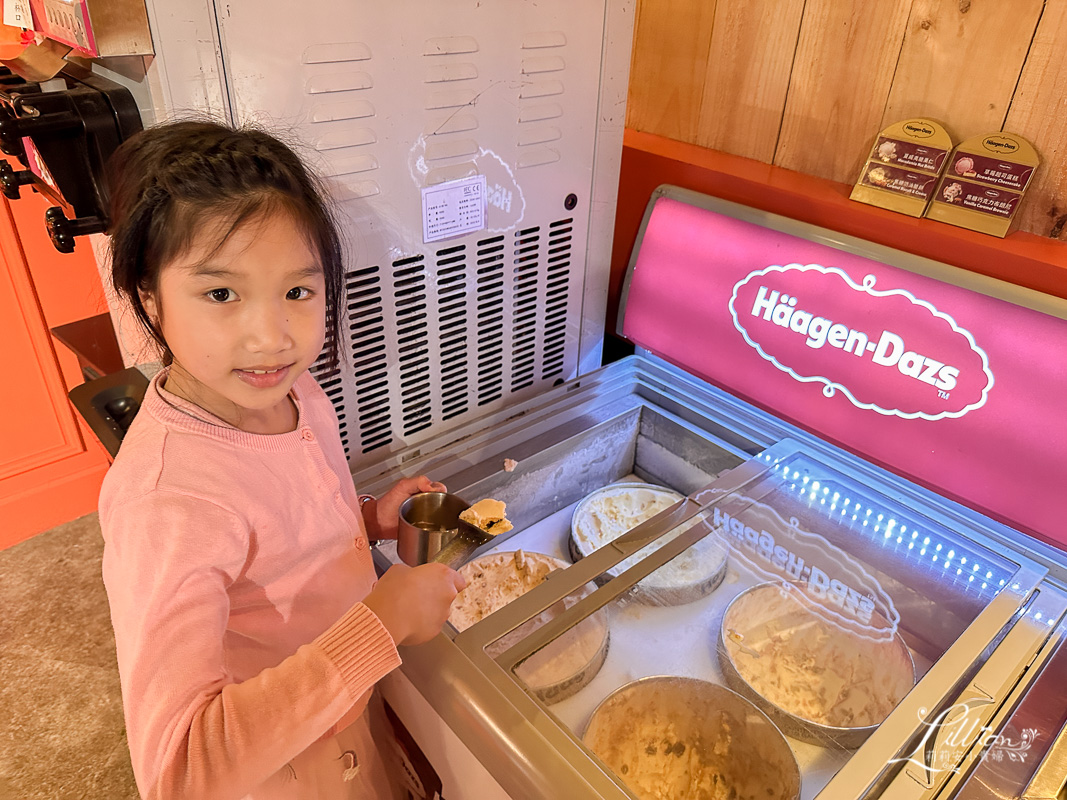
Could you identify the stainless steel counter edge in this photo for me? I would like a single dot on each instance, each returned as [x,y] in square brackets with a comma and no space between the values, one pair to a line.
[483,443]
[520,747]
[1007,673]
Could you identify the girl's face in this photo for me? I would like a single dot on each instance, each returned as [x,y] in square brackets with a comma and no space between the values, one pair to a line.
[243,321]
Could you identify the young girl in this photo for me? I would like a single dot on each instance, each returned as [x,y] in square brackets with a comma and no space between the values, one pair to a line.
[249,624]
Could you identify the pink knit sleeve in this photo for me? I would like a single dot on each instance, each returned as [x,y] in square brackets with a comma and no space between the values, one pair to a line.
[193,731]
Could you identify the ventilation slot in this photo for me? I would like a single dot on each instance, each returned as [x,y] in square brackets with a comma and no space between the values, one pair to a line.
[409,288]
[369,362]
[557,290]
[454,330]
[489,311]
[524,292]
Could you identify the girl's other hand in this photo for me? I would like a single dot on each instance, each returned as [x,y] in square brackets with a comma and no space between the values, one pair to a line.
[390,502]
[413,602]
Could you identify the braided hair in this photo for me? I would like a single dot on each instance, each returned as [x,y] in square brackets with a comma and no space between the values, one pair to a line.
[172,184]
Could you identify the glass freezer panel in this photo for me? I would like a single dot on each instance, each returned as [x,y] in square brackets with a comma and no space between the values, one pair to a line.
[865,555]
[744,640]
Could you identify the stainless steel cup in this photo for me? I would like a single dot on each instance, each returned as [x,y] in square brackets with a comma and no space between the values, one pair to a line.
[428,521]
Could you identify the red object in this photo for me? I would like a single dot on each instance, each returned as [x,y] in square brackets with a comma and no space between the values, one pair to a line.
[13,41]
[65,21]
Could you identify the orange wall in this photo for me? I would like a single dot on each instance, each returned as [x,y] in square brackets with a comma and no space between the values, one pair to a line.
[51,466]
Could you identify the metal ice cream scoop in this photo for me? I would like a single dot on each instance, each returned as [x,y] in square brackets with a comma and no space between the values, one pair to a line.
[468,538]
[430,530]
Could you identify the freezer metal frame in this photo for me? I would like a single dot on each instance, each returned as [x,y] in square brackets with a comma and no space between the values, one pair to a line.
[529,752]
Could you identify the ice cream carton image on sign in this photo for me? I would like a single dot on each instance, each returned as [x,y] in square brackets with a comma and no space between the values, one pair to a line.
[815,324]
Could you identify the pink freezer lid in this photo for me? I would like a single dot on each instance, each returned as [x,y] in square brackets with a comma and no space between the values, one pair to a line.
[957,382]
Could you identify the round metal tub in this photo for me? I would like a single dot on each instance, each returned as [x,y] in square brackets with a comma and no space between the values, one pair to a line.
[682,737]
[562,667]
[611,511]
[820,678]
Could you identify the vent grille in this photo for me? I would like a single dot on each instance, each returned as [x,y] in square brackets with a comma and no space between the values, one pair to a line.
[409,282]
[434,337]
[558,275]
[454,330]
[489,312]
[524,291]
[368,357]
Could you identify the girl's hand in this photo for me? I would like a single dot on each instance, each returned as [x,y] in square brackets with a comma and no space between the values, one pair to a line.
[413,602]
[390,502]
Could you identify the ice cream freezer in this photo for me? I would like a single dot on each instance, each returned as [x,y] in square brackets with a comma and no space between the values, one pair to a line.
[803,543]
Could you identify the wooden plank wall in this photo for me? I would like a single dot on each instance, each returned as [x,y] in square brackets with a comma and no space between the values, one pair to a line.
[807,84]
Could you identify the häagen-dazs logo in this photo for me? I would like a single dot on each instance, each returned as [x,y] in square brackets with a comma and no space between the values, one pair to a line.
[886,351]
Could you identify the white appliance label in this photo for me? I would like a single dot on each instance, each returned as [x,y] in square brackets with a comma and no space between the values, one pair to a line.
[17,14]
[453,208]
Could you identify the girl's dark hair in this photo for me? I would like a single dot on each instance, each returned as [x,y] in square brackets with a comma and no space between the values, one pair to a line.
[164,182]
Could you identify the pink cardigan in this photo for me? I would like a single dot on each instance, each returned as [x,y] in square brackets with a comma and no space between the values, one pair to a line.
[235,564]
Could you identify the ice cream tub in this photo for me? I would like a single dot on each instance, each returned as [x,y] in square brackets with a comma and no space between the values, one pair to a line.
[820,678]
[566,664]
[612,511]
[674,736]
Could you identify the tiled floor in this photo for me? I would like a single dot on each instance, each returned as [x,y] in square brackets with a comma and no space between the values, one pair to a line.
[61,729]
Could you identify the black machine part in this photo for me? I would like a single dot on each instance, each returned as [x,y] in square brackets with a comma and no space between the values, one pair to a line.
[64,137]
[109,404]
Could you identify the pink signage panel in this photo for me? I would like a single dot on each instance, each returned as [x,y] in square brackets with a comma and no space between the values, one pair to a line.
[956,390]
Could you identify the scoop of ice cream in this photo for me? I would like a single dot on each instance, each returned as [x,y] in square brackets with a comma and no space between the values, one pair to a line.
[964,166]
[878,176]
[609,513]
[672,738]
[804,663]
[495,580]
[489,515]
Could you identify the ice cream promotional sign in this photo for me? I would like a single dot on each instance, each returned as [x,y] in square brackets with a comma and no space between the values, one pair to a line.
[886,351]
[955,389]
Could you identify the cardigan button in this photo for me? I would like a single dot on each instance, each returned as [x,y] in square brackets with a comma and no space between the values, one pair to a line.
[361,543]
[307,435]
